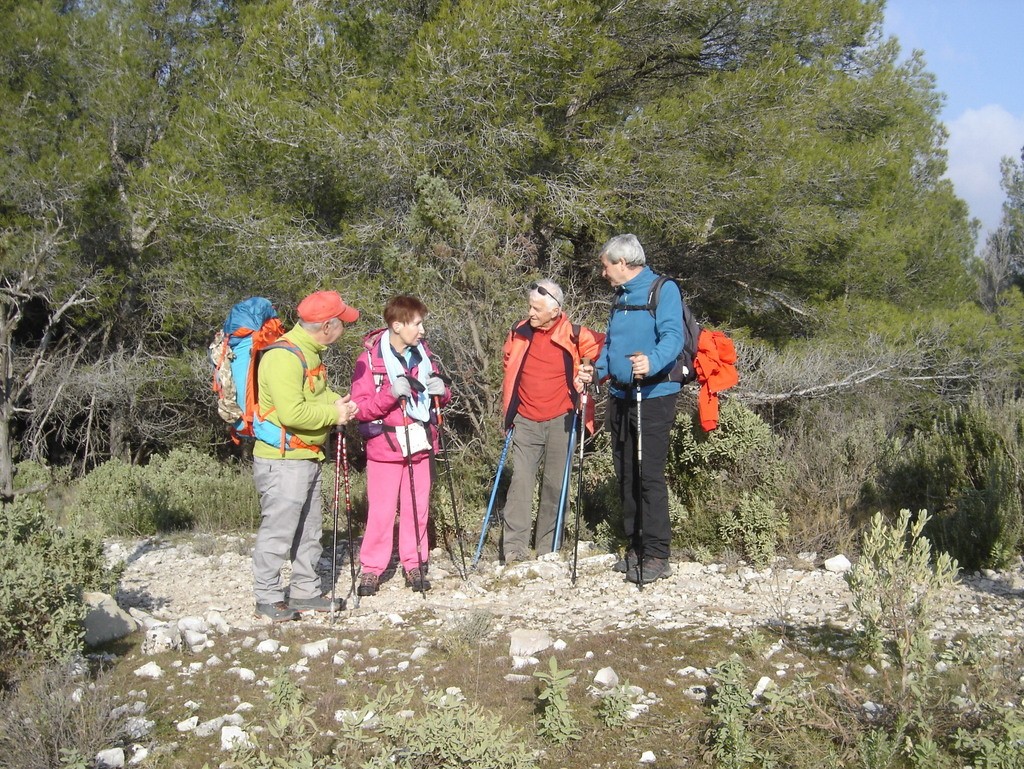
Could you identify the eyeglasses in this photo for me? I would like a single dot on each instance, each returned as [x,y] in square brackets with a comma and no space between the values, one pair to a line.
[543,291]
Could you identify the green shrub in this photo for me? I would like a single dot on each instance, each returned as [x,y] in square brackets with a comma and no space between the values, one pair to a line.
[557,722]
[183,489]
[715,473]
[194,489]
[43,573]
[965,469]
[894,586]
[113,499]
[753,528]
[447,734]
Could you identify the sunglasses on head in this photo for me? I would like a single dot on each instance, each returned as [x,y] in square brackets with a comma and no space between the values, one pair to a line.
[540,289]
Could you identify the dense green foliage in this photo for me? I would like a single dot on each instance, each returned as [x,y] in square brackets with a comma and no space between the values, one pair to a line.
[163,161]
[965,468]
[43,573]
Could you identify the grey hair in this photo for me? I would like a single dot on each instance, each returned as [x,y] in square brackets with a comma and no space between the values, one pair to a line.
[312,326]
[554,296]
[624,248]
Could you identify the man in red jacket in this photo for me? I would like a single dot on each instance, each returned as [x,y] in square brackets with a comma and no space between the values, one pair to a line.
[542,357]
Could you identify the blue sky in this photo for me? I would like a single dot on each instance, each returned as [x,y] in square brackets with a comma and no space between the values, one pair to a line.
[973,47]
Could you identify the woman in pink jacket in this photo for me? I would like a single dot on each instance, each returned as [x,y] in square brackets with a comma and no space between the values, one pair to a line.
[395,383]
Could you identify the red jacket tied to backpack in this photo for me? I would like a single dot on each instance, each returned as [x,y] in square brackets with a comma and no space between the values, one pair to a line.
[716,371]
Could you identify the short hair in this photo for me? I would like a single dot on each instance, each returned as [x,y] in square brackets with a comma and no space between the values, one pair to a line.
[624,248]
[403,308]
[548,290]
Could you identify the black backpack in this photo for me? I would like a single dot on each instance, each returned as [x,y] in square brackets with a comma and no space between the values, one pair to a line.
[684,371]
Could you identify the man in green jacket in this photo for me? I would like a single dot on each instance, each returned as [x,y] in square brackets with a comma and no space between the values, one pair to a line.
[294,396]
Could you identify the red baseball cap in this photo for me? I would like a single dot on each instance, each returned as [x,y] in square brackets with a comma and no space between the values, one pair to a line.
[324,305]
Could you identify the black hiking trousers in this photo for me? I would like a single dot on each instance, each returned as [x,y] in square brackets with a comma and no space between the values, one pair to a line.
[658,415]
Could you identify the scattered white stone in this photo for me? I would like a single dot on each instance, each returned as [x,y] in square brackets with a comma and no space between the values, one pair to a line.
[396,619]
[195,624]
[244,673]
[518,663]
[216,621]
[268,646]
[340,657]
[188,724]
[373,652]
[606,677]
[559,645]
[214,661]
[149,670]
[648,757]
[838,564]
[525,643]
[517,678]
[762,684]
[315,649]
[208,728]
[418,652]
[403,665]
[137,727]
[300,666]
[232,737]
[140,754]
[112,758]
[192,705]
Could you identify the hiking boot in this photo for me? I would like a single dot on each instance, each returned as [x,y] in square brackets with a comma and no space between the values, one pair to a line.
[417,580]
[654,568]
[316,603]
[514,557]
[276,612]
[626,563]
[368,584]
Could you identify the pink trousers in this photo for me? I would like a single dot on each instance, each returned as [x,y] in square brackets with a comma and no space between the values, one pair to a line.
[387,487]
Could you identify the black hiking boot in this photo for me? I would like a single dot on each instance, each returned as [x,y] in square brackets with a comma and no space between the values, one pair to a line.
[626,563]
[654,568]
[276,612]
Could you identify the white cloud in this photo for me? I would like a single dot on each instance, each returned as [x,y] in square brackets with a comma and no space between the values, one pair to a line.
[978,140]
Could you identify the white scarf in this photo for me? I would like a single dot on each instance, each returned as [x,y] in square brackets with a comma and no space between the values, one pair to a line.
[417,406]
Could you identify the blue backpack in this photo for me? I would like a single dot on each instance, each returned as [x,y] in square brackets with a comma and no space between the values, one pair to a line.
[251,328]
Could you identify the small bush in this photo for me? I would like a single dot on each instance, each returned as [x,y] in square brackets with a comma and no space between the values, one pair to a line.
[753,527]
[718,471]
[557,722]
[894,585]
[965,468]
[52,714]
[448,734]
[43,573]
[181,490]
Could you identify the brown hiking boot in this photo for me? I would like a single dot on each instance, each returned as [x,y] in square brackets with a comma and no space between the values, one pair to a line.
[417,580]
[368,584]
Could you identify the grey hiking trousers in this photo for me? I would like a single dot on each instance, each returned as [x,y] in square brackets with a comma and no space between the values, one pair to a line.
[290,528]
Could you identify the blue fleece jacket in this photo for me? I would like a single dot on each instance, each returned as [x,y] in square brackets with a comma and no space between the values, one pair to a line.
[659,337]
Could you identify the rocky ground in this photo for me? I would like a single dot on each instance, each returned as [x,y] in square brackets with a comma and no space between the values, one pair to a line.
[170,579]
[196,686]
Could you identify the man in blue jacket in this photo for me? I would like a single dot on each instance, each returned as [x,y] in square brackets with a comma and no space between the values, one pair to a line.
[640,350]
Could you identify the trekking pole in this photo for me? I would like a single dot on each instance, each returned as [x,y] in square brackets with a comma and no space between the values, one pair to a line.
[451,483]
[638,526]
[337,490]
[412,489]
[579,486]
[353,594]
[564,495]
[494,494]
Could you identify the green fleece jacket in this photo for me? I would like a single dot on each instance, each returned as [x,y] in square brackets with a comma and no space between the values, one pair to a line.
[284,387]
